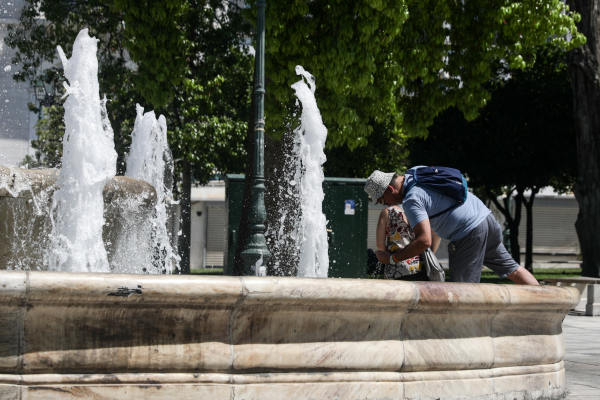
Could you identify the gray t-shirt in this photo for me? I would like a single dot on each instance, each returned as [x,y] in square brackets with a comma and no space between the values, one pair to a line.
[453,225]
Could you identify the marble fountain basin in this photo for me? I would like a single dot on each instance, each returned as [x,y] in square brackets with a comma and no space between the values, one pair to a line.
[123,336]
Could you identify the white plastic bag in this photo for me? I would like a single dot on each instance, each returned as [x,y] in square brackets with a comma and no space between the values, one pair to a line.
[434,270]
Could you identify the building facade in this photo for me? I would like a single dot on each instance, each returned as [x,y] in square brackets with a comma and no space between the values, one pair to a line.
[17,123]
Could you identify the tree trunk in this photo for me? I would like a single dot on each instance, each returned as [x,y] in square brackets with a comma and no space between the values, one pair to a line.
[529,234]
[186,220]
[507,211]
[584,66]
[514,227]
[513,223]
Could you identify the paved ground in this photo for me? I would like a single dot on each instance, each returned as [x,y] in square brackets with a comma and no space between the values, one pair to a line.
[582,357]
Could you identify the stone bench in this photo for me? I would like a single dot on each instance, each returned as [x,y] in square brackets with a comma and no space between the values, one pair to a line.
[583,284]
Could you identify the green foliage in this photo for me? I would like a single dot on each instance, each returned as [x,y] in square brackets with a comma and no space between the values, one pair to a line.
[384,67]
[523,138]
[194,67]
[220,72]
[209,111]
[50,131]
[157,43]
[399,62]
[386,151]
[210,144]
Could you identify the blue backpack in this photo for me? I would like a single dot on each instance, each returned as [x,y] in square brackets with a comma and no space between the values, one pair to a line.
[447,181]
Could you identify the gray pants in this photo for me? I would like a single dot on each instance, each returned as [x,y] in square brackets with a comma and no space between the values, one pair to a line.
[482,246]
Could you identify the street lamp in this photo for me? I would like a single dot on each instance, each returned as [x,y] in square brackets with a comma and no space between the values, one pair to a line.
[256,254]
[41,92]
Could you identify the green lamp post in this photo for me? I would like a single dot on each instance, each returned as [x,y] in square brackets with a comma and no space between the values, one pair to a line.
[256,253]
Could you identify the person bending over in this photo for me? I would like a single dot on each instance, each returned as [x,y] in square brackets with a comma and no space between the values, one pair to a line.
[474,234]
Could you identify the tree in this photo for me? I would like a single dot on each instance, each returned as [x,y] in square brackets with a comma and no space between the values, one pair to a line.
[48,145]
[400,61]
[156,43]
[386,151]
[523,139]
[584,65]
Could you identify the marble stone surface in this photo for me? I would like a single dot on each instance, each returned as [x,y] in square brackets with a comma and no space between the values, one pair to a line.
[592,307]
[69,335]
[25,197]
[476,384]
[27,183]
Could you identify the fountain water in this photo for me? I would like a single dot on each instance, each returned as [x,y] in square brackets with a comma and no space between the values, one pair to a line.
[89,162]
[25,210]
[144,244]
[311,136]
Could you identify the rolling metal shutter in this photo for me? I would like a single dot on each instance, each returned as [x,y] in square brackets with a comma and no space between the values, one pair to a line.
[553,226]
[373,218]
[215,236]
[374,211]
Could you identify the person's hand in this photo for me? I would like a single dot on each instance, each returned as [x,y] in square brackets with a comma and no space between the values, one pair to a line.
[383,256]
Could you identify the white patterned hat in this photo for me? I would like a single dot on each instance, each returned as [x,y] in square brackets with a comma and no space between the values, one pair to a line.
[377,183]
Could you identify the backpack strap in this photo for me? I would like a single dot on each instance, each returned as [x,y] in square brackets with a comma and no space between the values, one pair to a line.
[411,186]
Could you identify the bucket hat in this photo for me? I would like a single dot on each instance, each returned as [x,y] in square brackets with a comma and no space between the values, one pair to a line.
[377,183]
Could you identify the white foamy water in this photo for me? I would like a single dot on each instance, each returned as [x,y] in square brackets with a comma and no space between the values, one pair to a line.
[283,236]
[311,136]
[144,246]
[89,162]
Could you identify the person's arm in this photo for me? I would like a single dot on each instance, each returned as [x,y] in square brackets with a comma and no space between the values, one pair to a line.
[435,241]
[421,243]
[523,277]
[381,228]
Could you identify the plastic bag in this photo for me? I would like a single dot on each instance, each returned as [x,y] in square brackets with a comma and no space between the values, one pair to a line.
[433,269]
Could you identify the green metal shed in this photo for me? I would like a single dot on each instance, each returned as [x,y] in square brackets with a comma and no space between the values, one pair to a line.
[346,208]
